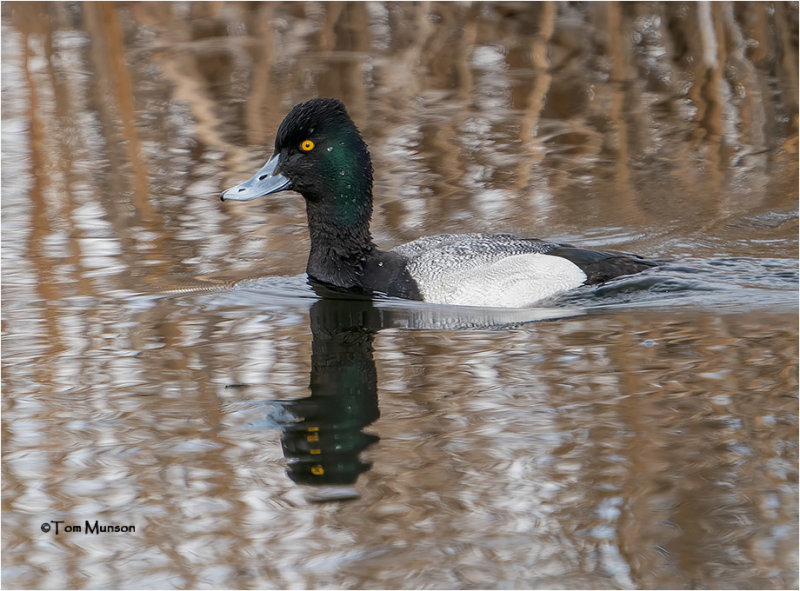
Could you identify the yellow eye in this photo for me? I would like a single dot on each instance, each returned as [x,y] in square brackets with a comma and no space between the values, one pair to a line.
[307,146]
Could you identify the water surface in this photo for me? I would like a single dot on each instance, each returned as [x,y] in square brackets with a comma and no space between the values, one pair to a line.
[167,366]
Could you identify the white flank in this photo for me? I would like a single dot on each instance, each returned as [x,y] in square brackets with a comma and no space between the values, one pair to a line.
[511,282]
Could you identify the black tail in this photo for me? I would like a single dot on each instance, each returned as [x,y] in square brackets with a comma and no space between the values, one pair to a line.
[600,266]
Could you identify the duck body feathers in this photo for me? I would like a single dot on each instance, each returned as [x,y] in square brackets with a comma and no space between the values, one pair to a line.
[503,270]
[492,270]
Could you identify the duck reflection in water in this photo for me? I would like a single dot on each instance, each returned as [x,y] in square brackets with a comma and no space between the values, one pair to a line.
[323,435]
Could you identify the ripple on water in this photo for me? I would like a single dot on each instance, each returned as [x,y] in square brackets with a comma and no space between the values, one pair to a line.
[638,434]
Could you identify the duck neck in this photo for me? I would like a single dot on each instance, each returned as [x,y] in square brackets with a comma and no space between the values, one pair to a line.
[340,237]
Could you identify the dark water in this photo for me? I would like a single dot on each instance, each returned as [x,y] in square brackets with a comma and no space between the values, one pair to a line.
[641,434]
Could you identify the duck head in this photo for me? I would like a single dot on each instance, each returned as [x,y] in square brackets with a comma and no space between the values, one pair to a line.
[320,154]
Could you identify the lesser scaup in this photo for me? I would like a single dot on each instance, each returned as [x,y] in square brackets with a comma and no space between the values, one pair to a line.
[319,153]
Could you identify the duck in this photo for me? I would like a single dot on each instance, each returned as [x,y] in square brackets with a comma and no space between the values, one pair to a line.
[320,154]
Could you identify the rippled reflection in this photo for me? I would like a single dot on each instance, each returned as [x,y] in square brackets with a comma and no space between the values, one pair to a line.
[323,443]
[638,435]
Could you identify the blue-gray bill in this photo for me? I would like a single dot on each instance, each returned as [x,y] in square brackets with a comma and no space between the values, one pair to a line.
[264,182]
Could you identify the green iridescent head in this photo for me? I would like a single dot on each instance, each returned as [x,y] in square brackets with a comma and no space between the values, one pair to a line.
[320,154]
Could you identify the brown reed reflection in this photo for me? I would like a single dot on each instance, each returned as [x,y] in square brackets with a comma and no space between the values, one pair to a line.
[654,74]
[666,128]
